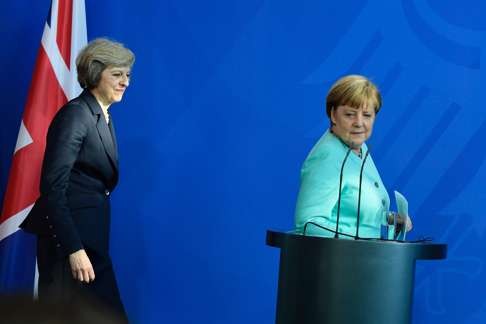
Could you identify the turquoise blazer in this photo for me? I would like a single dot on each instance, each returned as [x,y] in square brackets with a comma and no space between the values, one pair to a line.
[318,195]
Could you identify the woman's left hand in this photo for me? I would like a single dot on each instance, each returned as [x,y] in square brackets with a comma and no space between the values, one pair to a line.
[400,221]
[405,221]
[408,225]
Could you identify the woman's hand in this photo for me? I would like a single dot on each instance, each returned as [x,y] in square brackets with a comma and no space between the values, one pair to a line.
[405,221]
[409,224]
[400,221]
[81,267]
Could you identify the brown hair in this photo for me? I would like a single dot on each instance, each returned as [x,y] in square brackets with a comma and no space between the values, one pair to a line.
[354,91]
[99,54]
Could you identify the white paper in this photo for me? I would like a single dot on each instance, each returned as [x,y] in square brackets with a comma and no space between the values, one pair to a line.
[402,206]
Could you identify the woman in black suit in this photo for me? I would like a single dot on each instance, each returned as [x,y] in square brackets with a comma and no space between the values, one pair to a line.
[80,169]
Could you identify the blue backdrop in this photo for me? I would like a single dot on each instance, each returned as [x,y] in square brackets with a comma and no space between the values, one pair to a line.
[226,100]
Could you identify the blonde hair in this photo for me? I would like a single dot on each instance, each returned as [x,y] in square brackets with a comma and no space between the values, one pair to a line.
[99,54]
[354,91]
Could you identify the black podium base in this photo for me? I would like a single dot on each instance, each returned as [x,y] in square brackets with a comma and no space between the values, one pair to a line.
[338,281]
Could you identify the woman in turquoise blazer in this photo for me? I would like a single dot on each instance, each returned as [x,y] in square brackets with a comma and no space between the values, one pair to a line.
[351,105]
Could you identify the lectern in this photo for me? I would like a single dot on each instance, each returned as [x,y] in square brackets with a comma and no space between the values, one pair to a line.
[342,281]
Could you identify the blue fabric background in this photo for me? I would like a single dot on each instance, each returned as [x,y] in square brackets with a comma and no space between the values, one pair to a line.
[226,100]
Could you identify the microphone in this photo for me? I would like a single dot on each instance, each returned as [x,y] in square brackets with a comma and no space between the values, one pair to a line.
[336,235]
[359,193]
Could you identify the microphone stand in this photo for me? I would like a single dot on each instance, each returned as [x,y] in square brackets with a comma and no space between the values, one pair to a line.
[336,235]
[359,194]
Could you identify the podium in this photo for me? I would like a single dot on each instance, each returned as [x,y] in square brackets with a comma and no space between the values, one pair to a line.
[340,281]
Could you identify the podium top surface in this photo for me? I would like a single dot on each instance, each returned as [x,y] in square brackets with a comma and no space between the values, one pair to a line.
[416,250]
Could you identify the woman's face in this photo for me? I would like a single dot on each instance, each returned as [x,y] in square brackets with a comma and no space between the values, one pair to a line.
[113,83]
[353,125]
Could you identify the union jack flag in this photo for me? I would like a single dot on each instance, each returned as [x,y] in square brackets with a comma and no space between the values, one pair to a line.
[54,82]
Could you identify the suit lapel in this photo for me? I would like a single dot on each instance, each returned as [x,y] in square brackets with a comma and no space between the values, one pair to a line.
[108,141]
[113,137]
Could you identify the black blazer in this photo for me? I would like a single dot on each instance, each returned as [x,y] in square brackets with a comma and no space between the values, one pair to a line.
[79,171]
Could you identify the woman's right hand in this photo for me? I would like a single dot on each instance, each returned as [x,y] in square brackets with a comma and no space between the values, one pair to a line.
[81,267]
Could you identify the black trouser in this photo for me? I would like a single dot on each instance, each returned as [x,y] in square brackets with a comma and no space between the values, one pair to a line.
[56,282]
